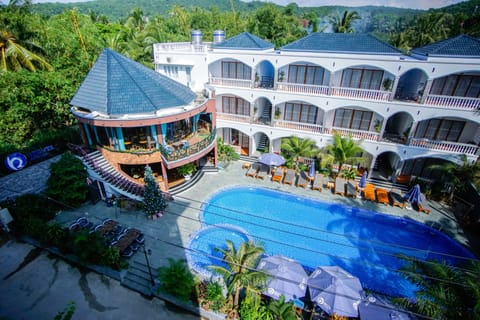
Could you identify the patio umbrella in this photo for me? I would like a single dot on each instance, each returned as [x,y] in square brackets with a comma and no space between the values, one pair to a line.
[335,290]
[414,195]
[271,159]
[311,171]
[288,277]
[363,180]
[372,309]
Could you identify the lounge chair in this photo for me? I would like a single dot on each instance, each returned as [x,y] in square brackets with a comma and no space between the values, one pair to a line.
[351,189]
[303,180]
[382,196]
[397,198]
[423,205]
[278,175]
[262,172]
[289,177]
[318,182]
[252,171]
[339,186]
[369,192]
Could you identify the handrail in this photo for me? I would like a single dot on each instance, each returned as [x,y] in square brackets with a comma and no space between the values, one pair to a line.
[457,147]
[462,103]
[181,153]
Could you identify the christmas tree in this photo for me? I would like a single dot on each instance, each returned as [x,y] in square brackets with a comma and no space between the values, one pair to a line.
[153,201]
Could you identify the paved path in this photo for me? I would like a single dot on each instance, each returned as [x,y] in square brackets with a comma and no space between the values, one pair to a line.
[35,286]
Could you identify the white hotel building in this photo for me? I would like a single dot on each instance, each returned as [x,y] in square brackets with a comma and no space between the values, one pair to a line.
[408,111]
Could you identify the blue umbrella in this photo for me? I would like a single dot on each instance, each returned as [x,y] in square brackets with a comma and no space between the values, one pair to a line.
[335,291]
[414,195]
[288,277]
[311,171]
[363,180]
[271,159]
[372,309]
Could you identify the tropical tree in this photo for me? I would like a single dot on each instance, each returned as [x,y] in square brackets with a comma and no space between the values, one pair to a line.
[342,150]
[240,272]
[282,310]
[294,147]
[460,174]
[344,23]
[444,291]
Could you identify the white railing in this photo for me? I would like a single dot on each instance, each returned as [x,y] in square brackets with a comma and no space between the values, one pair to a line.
[462,103]
[233,117]
[242,83]
[302,88]
[366,94]
[315,128]
[180,46]
[356,134]
[456,147]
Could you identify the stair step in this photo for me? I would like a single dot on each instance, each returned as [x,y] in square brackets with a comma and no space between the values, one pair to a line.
[143,288]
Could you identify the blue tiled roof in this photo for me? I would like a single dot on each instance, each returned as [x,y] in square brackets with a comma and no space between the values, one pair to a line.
[459,46]
[359,43]
[116,85]
[245,41]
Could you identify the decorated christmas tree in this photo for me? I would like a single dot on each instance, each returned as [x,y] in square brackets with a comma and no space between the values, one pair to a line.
[153,201]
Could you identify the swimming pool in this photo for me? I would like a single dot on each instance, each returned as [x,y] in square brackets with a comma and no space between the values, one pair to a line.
[318,233]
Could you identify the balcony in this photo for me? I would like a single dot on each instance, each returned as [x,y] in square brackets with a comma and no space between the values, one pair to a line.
[365,94]
[233,117]
[355,134]
[446,146]
[314,128]
[302,88]
[183,149]
[461,103]
[230,82]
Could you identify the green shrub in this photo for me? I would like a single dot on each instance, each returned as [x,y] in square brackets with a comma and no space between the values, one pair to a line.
[176,279]
[214,294]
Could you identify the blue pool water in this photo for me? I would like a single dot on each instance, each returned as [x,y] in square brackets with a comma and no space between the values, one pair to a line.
[318,233]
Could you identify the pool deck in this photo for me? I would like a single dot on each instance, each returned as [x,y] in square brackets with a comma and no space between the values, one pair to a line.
[168,235]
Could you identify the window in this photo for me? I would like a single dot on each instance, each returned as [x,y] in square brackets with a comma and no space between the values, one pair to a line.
[353,119]
[306,74]
[457,85]
[235,105]
[298,112]
[362,78]
[235,70]
[440,129]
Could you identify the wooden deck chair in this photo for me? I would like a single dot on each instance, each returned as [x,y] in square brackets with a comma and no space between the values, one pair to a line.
[262,172]
[396,198]
[339,186]
[423,205]
[382,196]
[289,177]
[318,182]
[277,175]
[369,192]
[303,180]
[252,171]
[351,189]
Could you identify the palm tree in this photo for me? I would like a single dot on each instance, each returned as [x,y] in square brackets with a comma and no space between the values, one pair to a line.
[342,150]
[343,24]
[282,310]
[295,147]
[459,175]
[14,56]
[445,292]
[240,272]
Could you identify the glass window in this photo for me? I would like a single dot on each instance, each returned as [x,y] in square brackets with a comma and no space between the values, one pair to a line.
[353,119]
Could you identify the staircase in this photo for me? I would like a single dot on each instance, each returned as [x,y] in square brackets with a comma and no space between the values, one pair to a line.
[266,114]
[137,277]
[262,143]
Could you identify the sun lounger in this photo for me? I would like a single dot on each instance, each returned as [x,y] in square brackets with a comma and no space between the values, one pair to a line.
[278,175]
[423,205]
[262,172]
[369,192]
[303,180]
[397,198]
[351,189]
[252,171]
[339,186]
[289,177]
[382,196]
[318,182]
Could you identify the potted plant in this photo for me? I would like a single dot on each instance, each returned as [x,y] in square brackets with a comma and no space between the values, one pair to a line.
[278,113]
[281,76]
[387,84]
[187,170]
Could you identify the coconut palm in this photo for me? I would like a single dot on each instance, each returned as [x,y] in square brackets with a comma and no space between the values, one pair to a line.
[240,271]
[445,292]
[294,147]
[343,150]
[344,23]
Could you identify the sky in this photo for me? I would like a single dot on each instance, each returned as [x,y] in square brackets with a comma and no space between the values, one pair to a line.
[413,4]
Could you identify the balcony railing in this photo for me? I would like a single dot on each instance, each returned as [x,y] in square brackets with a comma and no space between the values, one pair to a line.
[233,117]
[302,88]
[171,154]
[241,83]
[315,128]
[377,95]
[456,147]
[356,134]
[462,103]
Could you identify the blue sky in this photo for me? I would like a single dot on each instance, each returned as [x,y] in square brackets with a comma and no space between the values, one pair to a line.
[414,4]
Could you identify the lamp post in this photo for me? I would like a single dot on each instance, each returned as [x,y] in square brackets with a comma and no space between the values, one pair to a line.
[152,281]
